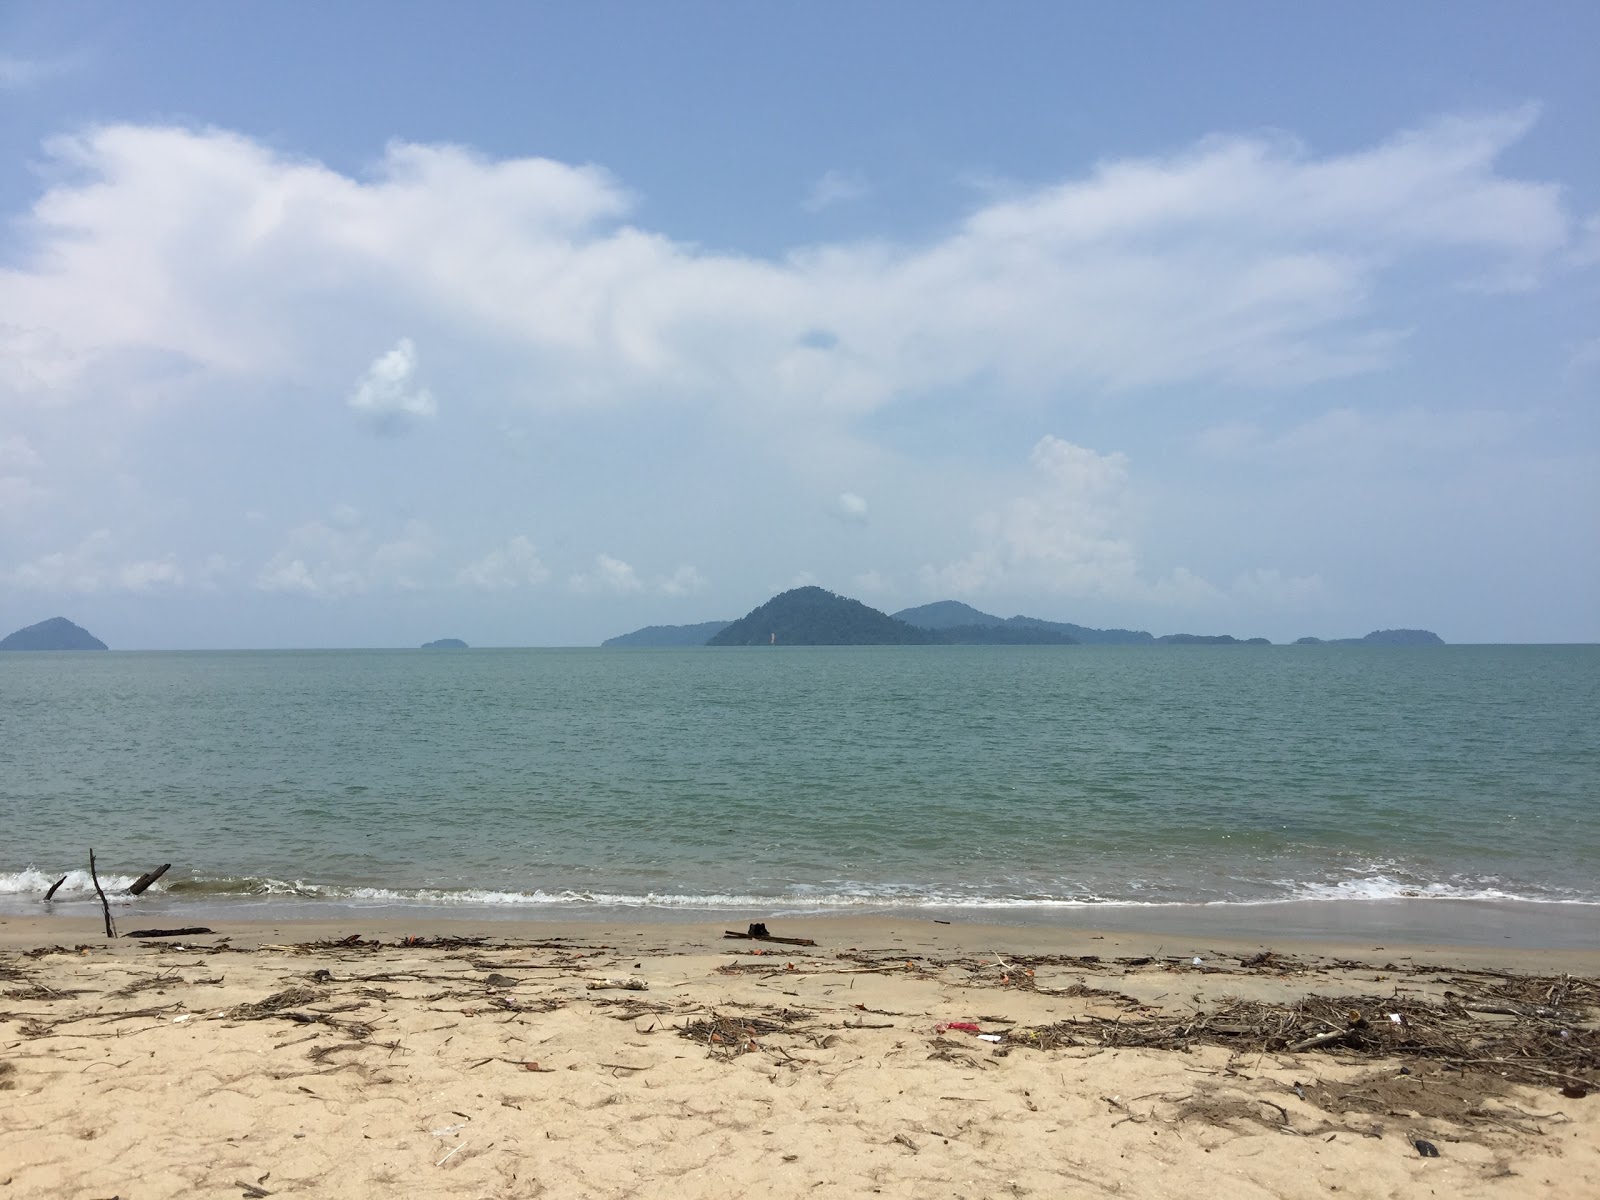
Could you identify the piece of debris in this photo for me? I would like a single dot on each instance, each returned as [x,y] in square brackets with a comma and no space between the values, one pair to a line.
[187,931]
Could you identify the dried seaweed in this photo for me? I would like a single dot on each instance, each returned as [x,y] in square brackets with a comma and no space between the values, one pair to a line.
[1525,1048]
[276,1003]
[727,1036]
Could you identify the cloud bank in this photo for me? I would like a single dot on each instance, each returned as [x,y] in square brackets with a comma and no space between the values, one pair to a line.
[1247,260]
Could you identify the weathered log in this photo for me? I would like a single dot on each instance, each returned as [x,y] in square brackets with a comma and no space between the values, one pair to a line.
[186,931]
[138,886]
[51,893]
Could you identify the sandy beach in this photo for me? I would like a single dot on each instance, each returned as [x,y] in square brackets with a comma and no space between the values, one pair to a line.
[894,1057]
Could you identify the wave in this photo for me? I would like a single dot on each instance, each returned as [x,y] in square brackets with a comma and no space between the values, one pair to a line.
[31,884]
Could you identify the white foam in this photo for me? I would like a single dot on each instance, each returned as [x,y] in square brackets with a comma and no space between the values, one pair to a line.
[1384,887]
[33,882]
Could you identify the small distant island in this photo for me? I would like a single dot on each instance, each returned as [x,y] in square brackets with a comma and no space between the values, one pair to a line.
[1380,637]
[445,644]
[57,633]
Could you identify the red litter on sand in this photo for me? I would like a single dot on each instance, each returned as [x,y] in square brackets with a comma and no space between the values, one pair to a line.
[960,1026]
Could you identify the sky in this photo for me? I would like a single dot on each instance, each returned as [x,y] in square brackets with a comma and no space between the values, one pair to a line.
[373,323]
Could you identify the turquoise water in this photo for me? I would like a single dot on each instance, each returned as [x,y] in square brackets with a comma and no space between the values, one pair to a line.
[983,778]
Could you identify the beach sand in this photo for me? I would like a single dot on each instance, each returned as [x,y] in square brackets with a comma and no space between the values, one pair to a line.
[266,1059]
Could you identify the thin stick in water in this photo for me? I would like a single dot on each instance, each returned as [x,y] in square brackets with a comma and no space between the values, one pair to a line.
[111,930]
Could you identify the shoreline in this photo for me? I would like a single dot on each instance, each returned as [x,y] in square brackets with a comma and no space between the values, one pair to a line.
[700,933]
[1430,921]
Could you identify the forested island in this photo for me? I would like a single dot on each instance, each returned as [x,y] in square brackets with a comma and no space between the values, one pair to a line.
[814,616]
[445,644]
[1380,637]
[953,614]
[669,635]
[57,633]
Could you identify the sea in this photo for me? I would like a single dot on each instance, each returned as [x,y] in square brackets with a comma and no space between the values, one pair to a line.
[1029,783]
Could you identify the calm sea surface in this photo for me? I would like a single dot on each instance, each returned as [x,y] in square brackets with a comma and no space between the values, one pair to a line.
[1002,778]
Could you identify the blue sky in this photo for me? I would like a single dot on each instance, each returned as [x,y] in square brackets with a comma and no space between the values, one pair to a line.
[372,323]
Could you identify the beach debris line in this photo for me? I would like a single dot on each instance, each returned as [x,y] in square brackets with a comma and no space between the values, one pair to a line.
[757,932]
[727,1036]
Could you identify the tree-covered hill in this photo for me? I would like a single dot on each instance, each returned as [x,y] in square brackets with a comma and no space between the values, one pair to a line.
[813,616]
[57,633]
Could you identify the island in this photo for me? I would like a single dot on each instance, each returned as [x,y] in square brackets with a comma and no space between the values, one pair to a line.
[1209,639]
[655,636]
[814,616]
[953,614]
[445,644]
[57,633]
[1380,637]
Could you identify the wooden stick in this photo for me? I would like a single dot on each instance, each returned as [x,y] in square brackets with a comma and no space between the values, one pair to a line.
[1322,1039]
[138,886]
[53,887]
[767,937]
[186,931]
[111,930]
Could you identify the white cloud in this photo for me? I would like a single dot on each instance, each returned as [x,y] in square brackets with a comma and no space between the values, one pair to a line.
[1586,250]
[20,493]
[17,453]
[1270,588]
[1068,533]
[1245,259]
[1062,534]
[19,74]
[1346,435]
[835,187]
[515,564]
[873,582]
[93,566]
[388,394]
[344,558]
[609,575]
[685,581]
[851,508]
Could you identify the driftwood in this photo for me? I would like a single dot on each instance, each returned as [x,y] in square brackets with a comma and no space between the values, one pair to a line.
[105,905]
[758,933]
[137,887]
[186,931]
[48,895]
